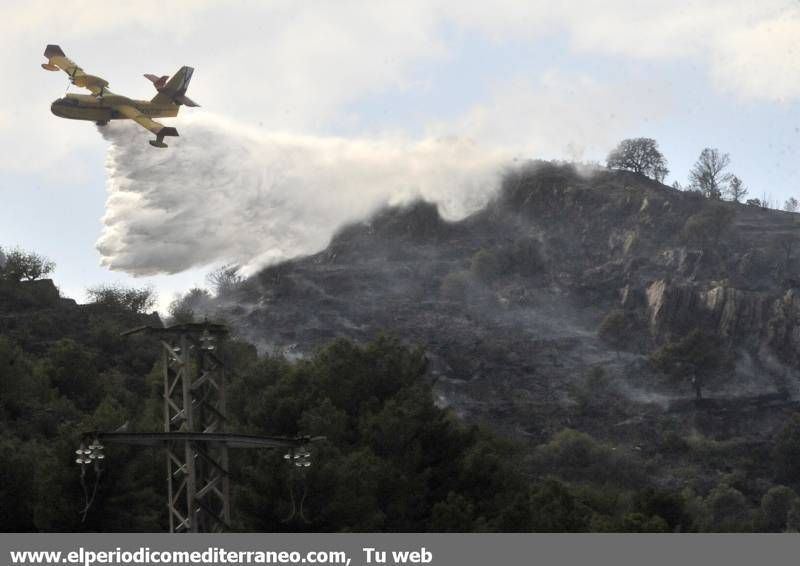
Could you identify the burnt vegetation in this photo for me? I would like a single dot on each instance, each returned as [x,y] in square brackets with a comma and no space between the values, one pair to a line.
[592,351]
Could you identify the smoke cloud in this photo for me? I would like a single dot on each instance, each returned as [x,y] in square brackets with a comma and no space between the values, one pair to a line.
[226,193]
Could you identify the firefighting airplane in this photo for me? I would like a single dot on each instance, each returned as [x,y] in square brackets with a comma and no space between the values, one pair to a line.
[103,105]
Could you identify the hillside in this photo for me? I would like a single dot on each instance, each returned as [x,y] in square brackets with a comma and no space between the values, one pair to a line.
[633,348]
[508,302]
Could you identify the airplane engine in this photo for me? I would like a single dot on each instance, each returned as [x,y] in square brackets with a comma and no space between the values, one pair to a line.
[86,81]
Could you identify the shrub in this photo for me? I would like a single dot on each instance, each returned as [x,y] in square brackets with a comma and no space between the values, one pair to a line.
[523,257]
[576,456]
[454,285]
[706,227]
[137,300]
[488,265]
[591,390]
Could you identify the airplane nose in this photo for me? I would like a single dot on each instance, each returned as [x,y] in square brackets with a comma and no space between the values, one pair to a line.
[54,107]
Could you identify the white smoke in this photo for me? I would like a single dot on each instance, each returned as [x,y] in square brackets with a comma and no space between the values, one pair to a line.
[223,192]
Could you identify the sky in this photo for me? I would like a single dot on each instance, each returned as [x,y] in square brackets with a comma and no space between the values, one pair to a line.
[314,113]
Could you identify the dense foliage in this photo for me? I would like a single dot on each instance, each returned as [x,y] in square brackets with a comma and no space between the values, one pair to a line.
[393,460]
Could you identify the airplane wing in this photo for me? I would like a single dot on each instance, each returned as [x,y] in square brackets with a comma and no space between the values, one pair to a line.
[56,59]
[160,130]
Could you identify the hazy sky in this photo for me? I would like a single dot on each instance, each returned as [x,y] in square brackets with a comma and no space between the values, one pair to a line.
[532,79]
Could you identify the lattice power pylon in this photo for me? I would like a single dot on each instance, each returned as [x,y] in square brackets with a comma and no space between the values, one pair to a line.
[194,436]
[198,482]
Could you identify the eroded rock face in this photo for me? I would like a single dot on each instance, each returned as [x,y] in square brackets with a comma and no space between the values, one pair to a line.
[783,327]
[731,313]
[738,314]
[758,321]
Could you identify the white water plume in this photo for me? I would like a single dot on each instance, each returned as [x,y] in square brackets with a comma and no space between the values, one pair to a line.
[223,192]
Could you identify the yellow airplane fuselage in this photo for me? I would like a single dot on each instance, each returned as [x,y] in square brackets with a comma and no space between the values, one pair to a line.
[103,105]
[88,107]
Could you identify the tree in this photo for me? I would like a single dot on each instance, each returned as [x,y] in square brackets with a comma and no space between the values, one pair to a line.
[640,155]
[727,510]
[194,304]
[754,202]
[641,523]
[614,329]
[793,517]
[592,391]
[137,300]
[707,174]
[670,506]
[697,358]
[736,189]
[225,280]
[786,242]
[21,384]
[72,369]
[786,453]
[19,265]
[556,510]
[453,515]
[775,507]
[791,205]
[394,461]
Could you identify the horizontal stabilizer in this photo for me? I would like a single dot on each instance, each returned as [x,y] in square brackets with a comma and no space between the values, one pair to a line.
[185,100]
[158,82]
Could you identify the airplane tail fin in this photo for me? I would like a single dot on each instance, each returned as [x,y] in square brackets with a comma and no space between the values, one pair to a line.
[173,90]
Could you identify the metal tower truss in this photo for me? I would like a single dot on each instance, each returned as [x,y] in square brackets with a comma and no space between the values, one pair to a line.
[194,436]
[198,482]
